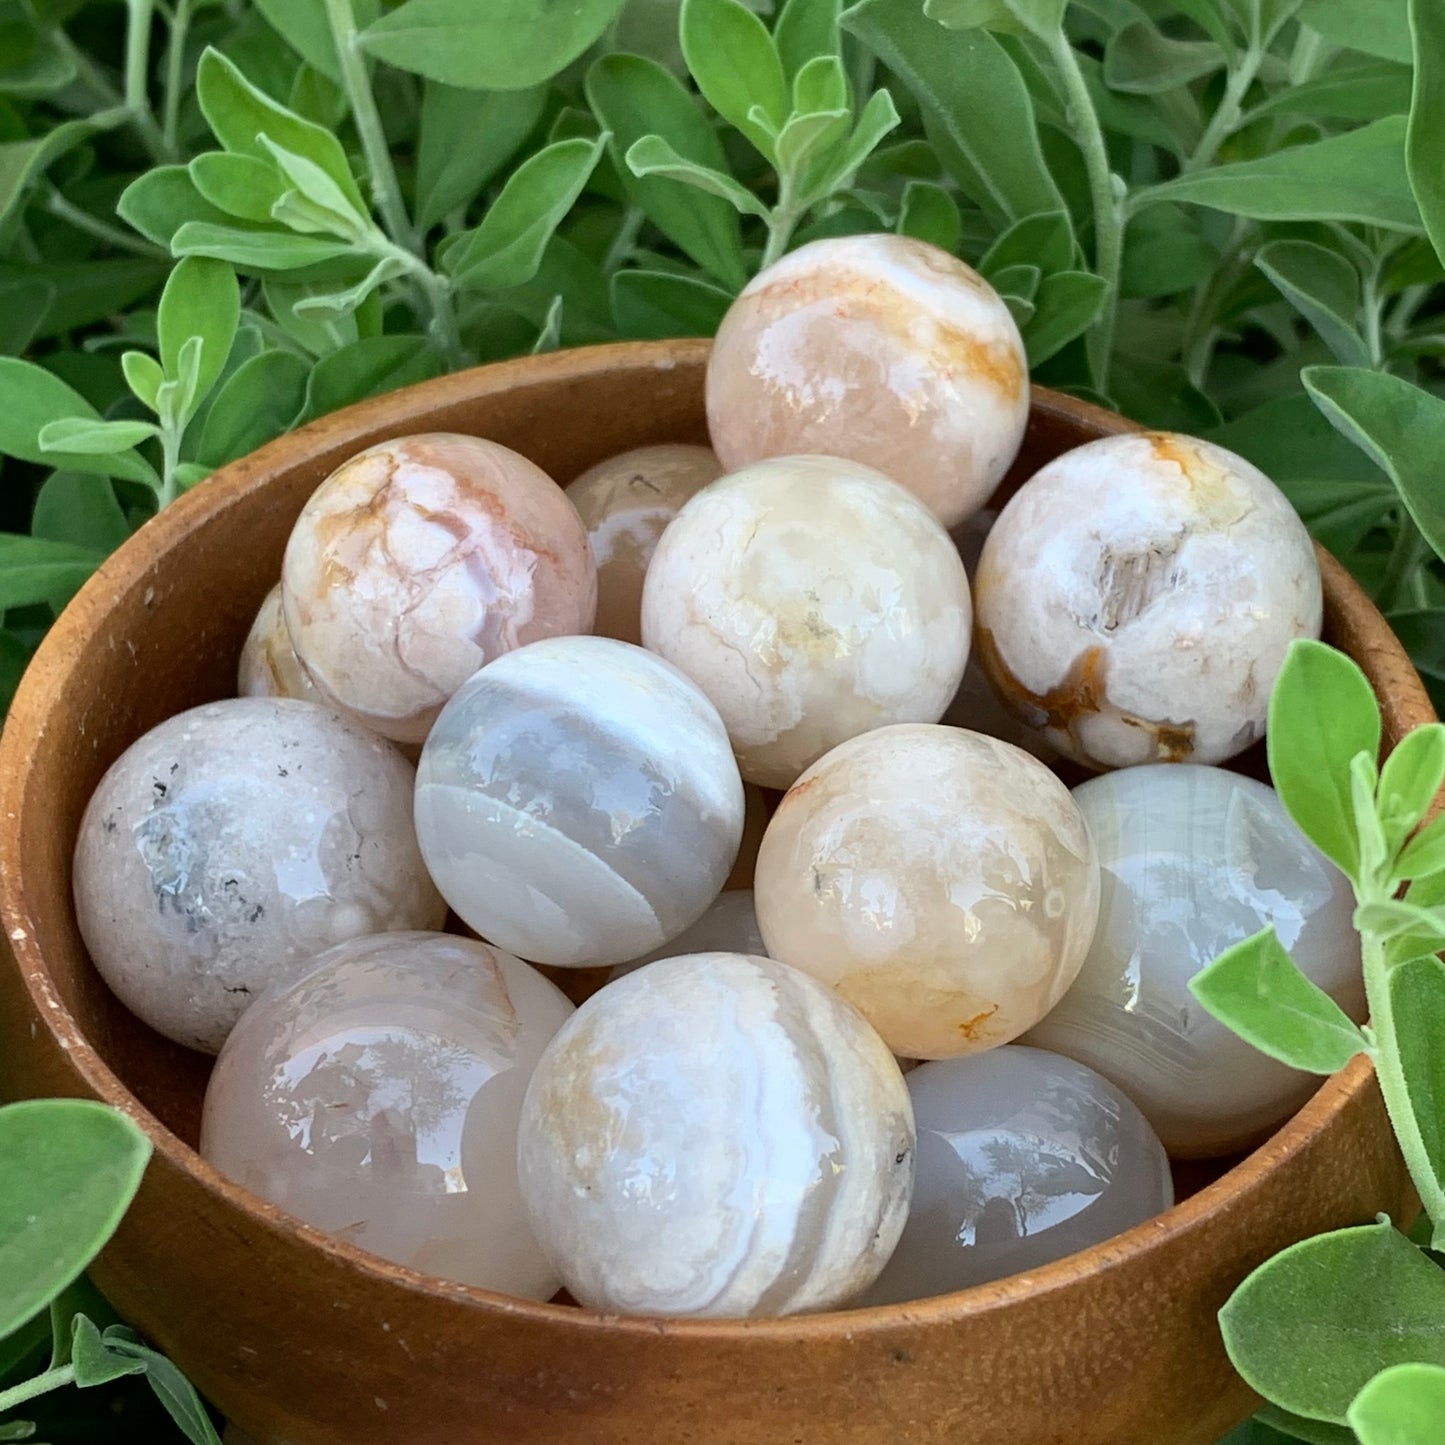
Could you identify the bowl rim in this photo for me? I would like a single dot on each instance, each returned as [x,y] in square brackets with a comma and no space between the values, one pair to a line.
[50,675]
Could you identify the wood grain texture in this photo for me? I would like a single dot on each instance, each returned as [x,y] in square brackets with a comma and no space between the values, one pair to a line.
[306,1341]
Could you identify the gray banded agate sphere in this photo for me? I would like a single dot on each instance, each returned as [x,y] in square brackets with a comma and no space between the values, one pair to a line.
[578,803]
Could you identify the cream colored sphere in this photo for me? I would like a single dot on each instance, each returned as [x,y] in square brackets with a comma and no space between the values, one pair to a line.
[811,599]
[942,881]
[1137,596]
[879,348]
[625,503]
[269,666]
[419,561]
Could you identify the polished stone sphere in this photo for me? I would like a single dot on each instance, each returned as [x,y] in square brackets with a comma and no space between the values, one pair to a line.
[1023,1157]
[422,559]
[879,348]
[625,503]
[231,843]
[811,599]
[1193,860]
[578,803]
[269,666]
[1136,598]
[376,1097]
[942,881]
[716,1135]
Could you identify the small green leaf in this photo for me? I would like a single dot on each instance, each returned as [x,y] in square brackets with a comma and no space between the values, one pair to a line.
[652,156]
[159,202]
[1359,176]
[368,367]
[94,1363]
[79,436]
[1424,854]
[256,404]
[879,117]
[1322,713]
[143,375]
[1141,60]
[1391,919]
[1360,92]
[1045,240]
[1324,288]
[1021,282]
[1410,779]
[1400,427]
[1064,307]
[736,67]
[506,249]
[240,186]
[1039,17]
[501,45]
[1257,989]
[1309,1328]
[201,300]
[1417,1005]
[1166,251]
[1375,29]
[341,218]
[657,305]
[72,1168]
[315,332]
[80,510]
[240,114]
[22,163]
[303,25]
[820,85]
[806,29]
[1403,1405]
[346,300]
[929,213]
[257,250]
[171,1387]
[466,138]
[808,136]
[25,303]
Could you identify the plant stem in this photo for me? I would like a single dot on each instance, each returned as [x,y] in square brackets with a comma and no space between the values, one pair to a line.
[623,241]
[137,65]
[1107,201]
[40,1385]
[782,219]
[1225,120]
[384,184]
[175,74]
[57,205]
[1390,1071]
[170,460]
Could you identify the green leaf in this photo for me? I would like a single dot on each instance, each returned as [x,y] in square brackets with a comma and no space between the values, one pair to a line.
[1360,92]
[1400,427]
[1064,307]
[94,1363]
[24,305]
[502,45]
[1322,713]
[71,1169]
[1392,918]
[240,114]
[806,29]
[879,117]
[1141,60]
[736,67]
[23,162]
[930,213]
[807,136]
[159,202]
[1166,251]
[506,249]
[33,62]
[171,1387]
[33,399]
[1424,854]
[466,138]
[1359,176]
[1379,28]
[79,436]
[1285,1427]
[1309,1328]
[303,25]
[1403,1405]
[344,301]
[1041,17]
[333,210]
[257,250]
[1425,138]
[1020,282]
[652,156]
[821,85]
[237,185]
[1045,240]
[81,510]
[1417,1004]
[257,403]
[316,332]
[201,300]
[143,375]
[1257,990]
[657,305]
[633,98]
[368,367]
[972,94]
[1410,779]
[20,1344]
[1324,288]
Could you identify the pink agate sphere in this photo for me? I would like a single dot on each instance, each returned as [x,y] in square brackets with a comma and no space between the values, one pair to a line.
[419,561]
[882,349]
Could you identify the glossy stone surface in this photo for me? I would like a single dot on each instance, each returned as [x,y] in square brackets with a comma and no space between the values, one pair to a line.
[716,1135]
[422,559]
[879,348]
[377,1097]
[942,881]
[625,502]
[1136,598]
[577,802]
[811,599]
[231,843]
[729,926]
[1193,860]
[1023,1157]
[269,666]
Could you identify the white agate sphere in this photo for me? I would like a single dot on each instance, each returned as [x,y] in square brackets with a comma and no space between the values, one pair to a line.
[1136,598]
[233,842]
[942,881]
[577,802]
[879,348]
[422,559]
[269,666]
[1023,1158]
[716,1135]
[811,599]
[729,926]
[377,1096]
[1193,860]
[625,503]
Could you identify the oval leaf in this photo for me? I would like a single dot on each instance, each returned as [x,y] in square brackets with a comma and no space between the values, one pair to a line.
[1404,1405]
[736,66]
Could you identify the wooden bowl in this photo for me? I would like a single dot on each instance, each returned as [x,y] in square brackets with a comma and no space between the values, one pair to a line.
[304,1340]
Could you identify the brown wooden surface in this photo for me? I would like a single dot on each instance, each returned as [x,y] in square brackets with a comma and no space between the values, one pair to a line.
[307,1341]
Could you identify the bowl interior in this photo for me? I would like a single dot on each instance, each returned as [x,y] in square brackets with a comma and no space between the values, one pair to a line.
[161,626]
